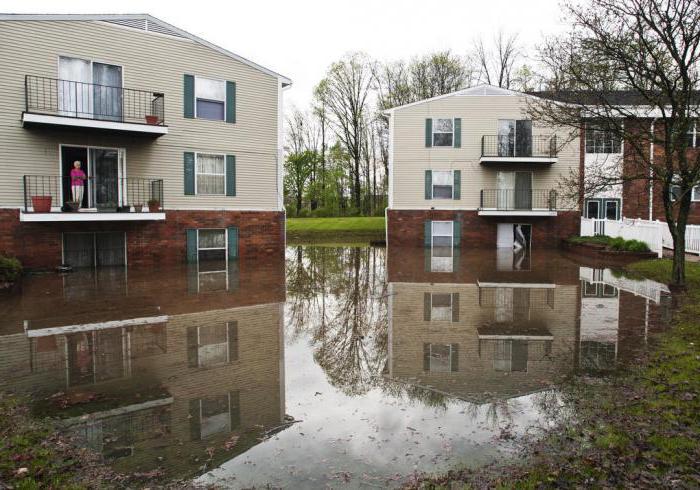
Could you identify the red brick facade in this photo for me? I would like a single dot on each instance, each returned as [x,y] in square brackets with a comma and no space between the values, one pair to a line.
[406,228]
[148,243]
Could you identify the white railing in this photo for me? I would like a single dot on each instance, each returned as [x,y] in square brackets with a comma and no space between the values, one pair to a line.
[655,234]
[640,287]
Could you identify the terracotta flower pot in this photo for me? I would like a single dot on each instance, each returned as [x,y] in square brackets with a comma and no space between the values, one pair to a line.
[151,119]
[41,204]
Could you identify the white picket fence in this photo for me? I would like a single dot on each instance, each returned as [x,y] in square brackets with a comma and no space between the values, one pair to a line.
[655,234]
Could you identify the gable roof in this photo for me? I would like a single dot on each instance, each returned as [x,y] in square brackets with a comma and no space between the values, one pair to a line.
[144,22]
[483,90]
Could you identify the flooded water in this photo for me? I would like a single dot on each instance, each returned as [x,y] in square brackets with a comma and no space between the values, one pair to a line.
[329,367]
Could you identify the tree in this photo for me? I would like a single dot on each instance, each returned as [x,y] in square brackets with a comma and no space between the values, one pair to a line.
[347,88]
[651,50]
[298,168]
[496,66]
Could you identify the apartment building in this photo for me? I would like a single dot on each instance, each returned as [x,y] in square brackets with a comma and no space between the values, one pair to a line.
[470,169]
[177,140]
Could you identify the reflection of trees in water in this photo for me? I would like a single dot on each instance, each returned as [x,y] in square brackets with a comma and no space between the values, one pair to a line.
[337,296]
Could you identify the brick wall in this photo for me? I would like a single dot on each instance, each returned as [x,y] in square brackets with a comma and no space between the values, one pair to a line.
[406,228]
[149,243]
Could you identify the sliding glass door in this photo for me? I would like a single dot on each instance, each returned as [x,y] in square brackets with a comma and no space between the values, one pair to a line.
[89,89]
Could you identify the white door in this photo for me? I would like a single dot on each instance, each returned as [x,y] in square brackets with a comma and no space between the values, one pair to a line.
[73,87]
[505,195]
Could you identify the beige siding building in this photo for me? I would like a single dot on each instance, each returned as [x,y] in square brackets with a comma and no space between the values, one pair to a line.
[473,162]
[173,134]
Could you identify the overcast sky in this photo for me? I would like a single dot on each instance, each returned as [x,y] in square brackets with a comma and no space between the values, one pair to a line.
[300,38]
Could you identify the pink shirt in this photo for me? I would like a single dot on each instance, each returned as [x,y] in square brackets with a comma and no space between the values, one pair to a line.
[77,177]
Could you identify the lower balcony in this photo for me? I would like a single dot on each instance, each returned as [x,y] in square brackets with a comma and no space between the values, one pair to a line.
[518,202]
[95,198]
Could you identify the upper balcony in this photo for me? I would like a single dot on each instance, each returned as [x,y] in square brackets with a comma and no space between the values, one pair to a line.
[99,198]
[507,149]
[518,202]
[66,103]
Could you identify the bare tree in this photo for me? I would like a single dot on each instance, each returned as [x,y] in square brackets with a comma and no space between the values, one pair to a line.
[496,64]
[348,88]
[630,68]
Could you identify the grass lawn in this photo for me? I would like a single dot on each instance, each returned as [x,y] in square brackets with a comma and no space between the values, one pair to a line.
[371,227]
[640,428]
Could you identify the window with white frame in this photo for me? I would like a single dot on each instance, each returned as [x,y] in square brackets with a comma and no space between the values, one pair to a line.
[213,345]
[210,98]
[696,193]
[214,415]
[211,245]
[443,184]
[442,234]
[675,190]
[443,132]
[441,307]
[693,136]
[601,140]
[210,171]
[440,358]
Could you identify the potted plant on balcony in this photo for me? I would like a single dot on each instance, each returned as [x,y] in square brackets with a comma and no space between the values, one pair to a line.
[138,207]
[152,119]
[153,205]
[41,204]
[72,206]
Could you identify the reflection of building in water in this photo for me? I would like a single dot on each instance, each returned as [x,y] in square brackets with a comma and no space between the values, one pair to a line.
[617,314]
[146,367]
[482,331]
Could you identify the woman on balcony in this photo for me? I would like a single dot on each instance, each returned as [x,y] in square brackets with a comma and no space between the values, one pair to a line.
[77,182]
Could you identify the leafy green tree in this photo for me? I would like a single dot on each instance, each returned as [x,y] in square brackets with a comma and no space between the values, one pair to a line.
[298,168]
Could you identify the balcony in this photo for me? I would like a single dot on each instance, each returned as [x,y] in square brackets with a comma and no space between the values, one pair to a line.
[66,103]
[50,198]
[518,202]
[507,149]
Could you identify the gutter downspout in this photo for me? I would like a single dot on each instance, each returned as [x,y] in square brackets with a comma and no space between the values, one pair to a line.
[651,173]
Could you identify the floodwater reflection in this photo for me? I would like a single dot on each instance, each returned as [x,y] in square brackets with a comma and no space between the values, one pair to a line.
[351,366]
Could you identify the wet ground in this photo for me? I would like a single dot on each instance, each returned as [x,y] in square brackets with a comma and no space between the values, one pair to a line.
[328,367]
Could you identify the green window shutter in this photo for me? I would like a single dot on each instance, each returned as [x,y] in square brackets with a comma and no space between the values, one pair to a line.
[189,173]
[457,140]
[232,328]
[195,433]
[188,96]
[428,233]
[457,176]
[426,357]
[232,242]
[455,307]
[454,364]
[427,306]
[428,184]
[456,233]
[191,245]
[428,133]
[192,347]
[230,175]
[230,102]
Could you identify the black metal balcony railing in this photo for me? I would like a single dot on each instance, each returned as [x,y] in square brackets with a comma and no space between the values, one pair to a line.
[494,145]
[123,194]
[52,96]
[518,199]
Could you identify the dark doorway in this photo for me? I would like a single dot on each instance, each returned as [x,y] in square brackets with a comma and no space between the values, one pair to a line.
[70,154]
[102,249]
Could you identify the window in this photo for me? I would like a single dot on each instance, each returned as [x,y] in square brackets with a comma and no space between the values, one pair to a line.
[441,307]
[211,248]
[696,193]
[443,184]
[592,208]
[598,290]
[213,345]
[440,358]
[210,174]
[210,98]
[514,138]
[214,415]
[612,210]
[443,132]
[601,140]
[510,355]
[442,234]
[601,208]
[694,136]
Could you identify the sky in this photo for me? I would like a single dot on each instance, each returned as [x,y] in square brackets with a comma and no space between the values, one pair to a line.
[301,38]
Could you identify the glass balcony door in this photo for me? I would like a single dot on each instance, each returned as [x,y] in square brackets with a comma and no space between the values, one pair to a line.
[88,89]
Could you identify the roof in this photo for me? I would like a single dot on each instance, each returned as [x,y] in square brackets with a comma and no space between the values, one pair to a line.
[476,91]
[144,22]
[607,97]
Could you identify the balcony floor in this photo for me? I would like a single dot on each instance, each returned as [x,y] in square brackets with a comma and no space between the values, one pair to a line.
[31,119]
[516,212]
[494,159]
[59,216]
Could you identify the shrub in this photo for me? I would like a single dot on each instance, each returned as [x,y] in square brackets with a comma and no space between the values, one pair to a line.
[617,243]
[10,269]
[304,213]
[636,246]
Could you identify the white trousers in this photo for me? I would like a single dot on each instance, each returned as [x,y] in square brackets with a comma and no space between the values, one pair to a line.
[77,191]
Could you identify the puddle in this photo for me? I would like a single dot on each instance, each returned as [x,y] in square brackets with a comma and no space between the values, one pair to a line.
[335,367]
